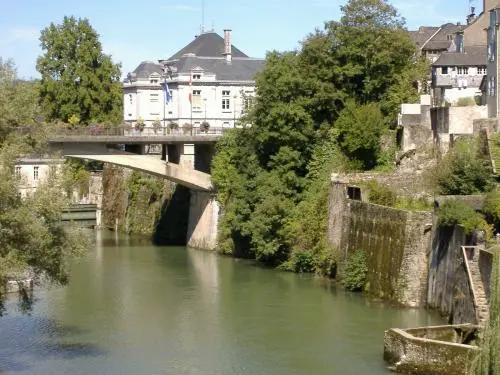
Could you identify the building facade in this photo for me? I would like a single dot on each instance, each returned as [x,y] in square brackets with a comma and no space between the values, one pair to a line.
[458,75]
[209,80]
[491,84]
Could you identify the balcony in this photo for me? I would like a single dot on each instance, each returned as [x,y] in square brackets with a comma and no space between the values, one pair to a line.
[465,80]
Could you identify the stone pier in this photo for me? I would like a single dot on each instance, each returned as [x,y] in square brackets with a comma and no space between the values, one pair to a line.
[203,219]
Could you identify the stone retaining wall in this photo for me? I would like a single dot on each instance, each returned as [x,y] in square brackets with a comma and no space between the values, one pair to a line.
[396,243]
[406,352]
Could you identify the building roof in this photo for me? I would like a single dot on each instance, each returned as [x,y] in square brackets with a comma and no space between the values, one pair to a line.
[146,68]
[207,45]
[437,45]
[472,56]
[423,34]
[240,69]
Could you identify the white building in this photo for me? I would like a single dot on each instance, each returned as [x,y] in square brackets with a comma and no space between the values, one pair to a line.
[34,171]
[458,74]
[208,80]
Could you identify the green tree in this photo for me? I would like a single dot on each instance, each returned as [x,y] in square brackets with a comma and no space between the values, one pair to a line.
[77,77]
[32,237]
[464,170]
[360,128]
[18,100]
[264,173]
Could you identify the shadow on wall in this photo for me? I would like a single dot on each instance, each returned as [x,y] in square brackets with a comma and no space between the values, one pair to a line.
[171,227]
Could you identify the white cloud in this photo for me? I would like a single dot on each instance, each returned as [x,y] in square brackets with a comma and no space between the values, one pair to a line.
[181,7]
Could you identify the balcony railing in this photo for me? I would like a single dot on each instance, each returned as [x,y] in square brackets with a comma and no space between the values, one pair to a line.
[443,80]
[123,130]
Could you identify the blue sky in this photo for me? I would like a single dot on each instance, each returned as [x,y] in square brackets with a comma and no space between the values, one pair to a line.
[132,31]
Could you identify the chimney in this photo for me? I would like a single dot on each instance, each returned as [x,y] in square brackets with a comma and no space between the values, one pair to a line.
[227,45]
[459,41]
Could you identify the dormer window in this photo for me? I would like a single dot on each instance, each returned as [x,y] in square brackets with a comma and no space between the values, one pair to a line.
[153,80]
[196,77]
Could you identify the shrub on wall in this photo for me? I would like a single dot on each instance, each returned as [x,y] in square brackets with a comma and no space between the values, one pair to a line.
[355,271]
[455,212]
[466,102]
[381,194]
[491,208]
[464,170]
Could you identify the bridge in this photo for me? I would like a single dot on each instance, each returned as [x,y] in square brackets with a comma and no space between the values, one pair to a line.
[186,156]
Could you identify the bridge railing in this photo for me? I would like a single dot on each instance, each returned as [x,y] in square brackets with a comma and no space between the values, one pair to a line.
[127,130]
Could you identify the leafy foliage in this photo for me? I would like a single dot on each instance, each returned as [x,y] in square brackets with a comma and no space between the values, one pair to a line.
[464,170]
[77,78]
[456,212]
[381,194]
[32,238]
[316,111]
[355,272]
[18,100]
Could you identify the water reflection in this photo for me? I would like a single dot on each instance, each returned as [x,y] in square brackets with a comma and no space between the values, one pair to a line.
[133,308]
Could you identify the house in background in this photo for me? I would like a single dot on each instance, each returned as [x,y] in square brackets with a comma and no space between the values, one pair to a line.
[207,80]
[458,75]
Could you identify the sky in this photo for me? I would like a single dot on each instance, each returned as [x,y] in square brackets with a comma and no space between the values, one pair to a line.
[134,31]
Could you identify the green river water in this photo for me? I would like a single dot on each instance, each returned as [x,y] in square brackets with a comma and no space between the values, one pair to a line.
[133,308]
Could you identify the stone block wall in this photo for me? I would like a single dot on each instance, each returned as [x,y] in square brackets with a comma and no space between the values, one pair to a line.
[485,263]
[443,264]
[409,353]
[396,243]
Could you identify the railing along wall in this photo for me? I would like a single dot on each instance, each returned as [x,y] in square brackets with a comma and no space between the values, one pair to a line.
[470,251]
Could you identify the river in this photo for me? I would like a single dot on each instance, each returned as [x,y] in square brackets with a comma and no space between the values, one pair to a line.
[133,308]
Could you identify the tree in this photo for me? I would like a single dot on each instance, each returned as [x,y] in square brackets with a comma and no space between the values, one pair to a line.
[32,238]
[77,78]
[18,100]
[304,97]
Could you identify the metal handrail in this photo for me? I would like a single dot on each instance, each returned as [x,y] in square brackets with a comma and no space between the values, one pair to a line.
[124,130]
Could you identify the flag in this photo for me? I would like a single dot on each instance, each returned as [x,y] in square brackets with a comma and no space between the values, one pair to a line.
[190,91]
[168,93]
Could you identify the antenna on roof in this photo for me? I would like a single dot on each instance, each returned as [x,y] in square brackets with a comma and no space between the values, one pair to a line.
[202,16]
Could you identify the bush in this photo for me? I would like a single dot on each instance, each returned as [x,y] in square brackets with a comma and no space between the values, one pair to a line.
[204,126]
[381,194]
[156,125]
[360,129]
[355,272]
[466,102]
[455,212]
[186,128]
[491,208]
[140,124]
[463,170]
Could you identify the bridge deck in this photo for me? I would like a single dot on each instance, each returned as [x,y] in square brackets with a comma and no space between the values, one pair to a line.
[123,135]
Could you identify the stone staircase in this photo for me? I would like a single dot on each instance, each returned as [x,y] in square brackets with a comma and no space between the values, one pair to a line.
[482,305]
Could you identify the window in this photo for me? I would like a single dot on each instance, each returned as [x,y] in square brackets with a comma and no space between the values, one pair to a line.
[463,70]
[247,103]
[196,77]
[18,170]
[226,101]
[196,100]
[153,81]
[154,98]
[481,70]
[35,173]
[444,70]
[226,124]
[491,86]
